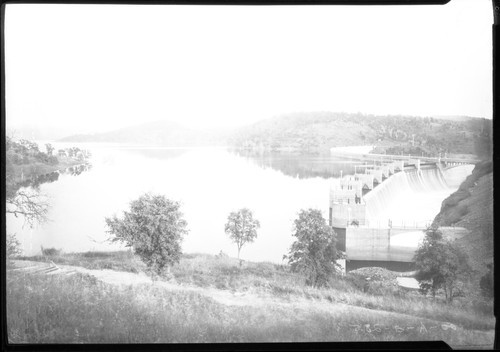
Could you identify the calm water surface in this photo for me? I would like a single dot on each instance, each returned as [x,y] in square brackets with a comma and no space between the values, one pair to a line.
[209,183]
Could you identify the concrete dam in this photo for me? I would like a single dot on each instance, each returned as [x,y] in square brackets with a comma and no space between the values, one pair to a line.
[380,213]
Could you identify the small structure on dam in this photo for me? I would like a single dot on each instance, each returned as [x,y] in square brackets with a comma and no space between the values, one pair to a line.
[360,198]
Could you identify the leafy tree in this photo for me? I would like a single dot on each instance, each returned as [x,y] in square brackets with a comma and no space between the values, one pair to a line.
[49,149]
[241,227]
[13,246]
[440,265]
[154,227]
[314,252]
[13,249]
[29,147]
[75,151]
[486,283]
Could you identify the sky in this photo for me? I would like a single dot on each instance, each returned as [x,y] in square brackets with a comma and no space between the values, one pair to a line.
[93,68]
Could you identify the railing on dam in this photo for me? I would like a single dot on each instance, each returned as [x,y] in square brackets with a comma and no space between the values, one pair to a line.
[408,159]
[401,224]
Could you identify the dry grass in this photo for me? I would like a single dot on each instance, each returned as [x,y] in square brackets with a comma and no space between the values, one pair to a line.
[267,279]
[118,260]
[80,309]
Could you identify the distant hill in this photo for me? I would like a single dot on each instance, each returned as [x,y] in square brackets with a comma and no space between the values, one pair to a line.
[37,133]
[153,133]
[453,117]
[317,132]
[471,206]
[320,131]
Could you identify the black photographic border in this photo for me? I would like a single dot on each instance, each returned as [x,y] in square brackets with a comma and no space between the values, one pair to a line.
[306,346]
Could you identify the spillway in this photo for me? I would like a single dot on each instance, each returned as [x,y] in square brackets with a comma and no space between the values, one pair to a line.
[412,197]
[383,225]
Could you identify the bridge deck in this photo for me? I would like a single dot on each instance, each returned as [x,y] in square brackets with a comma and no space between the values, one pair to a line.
[392,157]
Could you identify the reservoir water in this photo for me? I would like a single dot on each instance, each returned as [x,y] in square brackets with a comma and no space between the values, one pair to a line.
[209,183]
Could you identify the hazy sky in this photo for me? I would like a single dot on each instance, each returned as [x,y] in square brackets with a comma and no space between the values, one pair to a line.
[87,68]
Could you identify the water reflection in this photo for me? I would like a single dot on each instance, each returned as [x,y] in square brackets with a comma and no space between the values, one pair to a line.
[209,183]
[77,169]
[158,153]
[302,166]
[36,181]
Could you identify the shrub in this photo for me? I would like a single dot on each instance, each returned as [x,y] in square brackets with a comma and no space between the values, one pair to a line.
[13,246]
[97,255]
[440,265]
[314,253]
[51,252]
[154,227]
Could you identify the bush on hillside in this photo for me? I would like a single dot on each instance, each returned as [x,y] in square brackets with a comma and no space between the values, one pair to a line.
[314,253]
[13,246]
[154,227]
[441,264]
[51,252]
[486,283]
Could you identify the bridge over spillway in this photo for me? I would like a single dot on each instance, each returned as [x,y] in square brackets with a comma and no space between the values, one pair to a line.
[408,160]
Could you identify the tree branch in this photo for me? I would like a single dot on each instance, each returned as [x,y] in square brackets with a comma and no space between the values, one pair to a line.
[30,205]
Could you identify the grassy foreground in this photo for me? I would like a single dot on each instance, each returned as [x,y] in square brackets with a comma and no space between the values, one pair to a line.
[78,308]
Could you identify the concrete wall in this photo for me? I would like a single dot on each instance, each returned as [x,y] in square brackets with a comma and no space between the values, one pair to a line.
[341,215]
[366,179]
[377,174]
[386,171]
[393,266]
[340,232]
[399,165]
[344,196]
[352,181]
[367,244]
[364,243]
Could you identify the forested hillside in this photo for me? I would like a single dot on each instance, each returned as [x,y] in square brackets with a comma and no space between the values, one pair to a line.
[319,131]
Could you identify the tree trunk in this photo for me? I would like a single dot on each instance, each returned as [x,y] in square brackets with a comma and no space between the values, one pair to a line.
[239,248]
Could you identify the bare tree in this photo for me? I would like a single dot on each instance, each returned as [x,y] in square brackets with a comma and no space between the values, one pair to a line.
[21,201]
[29,204]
